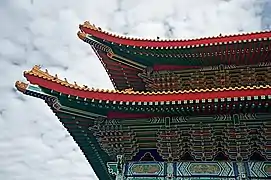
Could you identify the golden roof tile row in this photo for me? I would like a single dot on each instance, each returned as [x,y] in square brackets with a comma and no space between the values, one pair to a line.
[36,71]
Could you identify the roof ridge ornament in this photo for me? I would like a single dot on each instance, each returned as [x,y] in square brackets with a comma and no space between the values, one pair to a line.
[87,24]
[37,71]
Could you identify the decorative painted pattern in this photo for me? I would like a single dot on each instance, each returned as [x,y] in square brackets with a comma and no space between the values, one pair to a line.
[145,178]
[259,169]
[178,178]
[199,79]
[44,75]
[166,171]
[203,178]
[112,168]
[145,169]
[205,168]
[121,136]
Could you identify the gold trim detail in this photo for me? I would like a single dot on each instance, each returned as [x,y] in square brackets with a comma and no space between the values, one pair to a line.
[81,35]
[36,71]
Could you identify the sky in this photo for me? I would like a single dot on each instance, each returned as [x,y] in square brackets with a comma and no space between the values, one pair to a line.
[33,143]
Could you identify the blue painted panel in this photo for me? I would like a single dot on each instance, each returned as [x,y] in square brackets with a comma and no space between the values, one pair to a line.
[205,169]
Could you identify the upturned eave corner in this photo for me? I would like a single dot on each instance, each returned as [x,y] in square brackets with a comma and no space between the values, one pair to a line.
[81,35]
[21,86]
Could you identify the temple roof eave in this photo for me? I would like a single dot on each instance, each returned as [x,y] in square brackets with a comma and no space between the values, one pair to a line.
[96,159]
[102,108]
[97,32]
[45,80]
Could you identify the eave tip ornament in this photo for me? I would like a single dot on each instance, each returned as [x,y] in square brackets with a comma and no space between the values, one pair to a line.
[21,86]
[90,26]
[81,35]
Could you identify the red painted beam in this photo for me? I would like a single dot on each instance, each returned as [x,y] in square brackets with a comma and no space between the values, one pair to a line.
[153,43]
[144,97]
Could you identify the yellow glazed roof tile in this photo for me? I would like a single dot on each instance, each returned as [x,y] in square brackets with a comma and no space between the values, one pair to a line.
[36,71]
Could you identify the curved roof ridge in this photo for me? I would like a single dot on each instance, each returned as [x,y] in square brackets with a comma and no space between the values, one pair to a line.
[91,29]
[36,71]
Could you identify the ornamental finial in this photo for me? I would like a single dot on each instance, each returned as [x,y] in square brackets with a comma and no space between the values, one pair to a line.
[81,35]
[21,86]
[36,67]
[90,26]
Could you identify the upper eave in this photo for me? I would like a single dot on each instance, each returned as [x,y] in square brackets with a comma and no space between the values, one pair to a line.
[97,32]
[44,79]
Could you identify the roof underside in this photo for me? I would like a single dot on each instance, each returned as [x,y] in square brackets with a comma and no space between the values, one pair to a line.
[78,108]
[79,114]
[197,57]
[124,58]
[122,76]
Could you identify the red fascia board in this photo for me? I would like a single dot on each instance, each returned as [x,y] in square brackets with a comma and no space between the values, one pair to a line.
[151,43]
[143,97]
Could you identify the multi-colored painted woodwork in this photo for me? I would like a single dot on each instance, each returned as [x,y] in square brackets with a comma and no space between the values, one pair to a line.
[202,138]
[124,58]
[144,169]
[173,103]
[194,170]
[259,169]
[204,141]
[215,169]
[208,77]
[182,110]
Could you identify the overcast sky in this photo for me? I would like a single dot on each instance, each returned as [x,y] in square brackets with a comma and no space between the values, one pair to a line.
[33,143]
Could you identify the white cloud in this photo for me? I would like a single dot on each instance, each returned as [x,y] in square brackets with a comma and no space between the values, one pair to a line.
[33,144]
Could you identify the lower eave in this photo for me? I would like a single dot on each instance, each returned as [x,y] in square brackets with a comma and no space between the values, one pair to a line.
[88,144]
[151,97]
